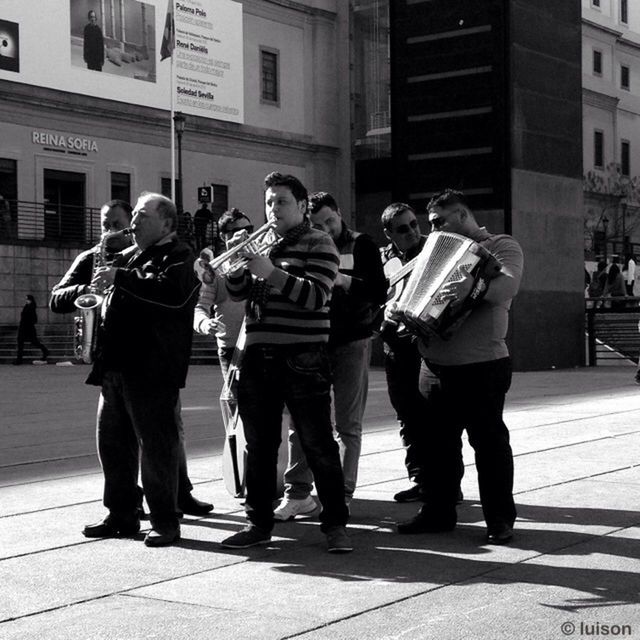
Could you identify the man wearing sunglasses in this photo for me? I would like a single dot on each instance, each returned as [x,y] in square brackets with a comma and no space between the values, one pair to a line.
[474,369]
[216,314]
[402,359]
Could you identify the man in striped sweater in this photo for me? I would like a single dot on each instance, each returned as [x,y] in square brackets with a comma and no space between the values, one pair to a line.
[360,289]
[286,363]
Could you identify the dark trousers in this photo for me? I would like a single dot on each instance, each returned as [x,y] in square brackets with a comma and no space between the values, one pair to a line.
[297,376]
[402,368]
[137,426]
[30,336]
[472,398]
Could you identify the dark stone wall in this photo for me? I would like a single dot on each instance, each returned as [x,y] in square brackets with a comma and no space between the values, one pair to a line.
[523,127]
[546,181]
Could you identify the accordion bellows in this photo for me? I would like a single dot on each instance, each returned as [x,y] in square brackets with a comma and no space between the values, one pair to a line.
[444,258]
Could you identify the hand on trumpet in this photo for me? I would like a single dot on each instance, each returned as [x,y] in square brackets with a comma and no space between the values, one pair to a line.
[259,266]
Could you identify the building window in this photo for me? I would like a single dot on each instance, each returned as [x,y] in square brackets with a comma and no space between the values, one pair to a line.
[270,89]
[624,11]
[598,149]
[165,187]
[595,3]
[597,62]
[624,77]
[8,198]
[625,158]
[120,186]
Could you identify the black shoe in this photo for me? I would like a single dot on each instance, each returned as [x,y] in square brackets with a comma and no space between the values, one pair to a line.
[250,536]
[194,507]
[162,536]
[499,534]
[410,495]
[422,524]
[112,527]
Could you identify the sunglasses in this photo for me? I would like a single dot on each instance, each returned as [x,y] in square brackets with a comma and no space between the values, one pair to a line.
[406,228]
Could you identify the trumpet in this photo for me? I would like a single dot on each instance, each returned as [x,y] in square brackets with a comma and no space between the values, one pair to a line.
[259,243]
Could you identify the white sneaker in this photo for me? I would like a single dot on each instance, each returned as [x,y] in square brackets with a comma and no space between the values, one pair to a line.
[289,508]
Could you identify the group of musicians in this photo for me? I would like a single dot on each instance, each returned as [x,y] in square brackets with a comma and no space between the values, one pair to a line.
[309,306]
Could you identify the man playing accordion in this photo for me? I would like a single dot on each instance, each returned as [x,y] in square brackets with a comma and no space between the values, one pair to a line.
[474,369]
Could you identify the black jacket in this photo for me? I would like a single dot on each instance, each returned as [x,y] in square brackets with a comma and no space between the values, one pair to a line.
[353,312]
[147,323]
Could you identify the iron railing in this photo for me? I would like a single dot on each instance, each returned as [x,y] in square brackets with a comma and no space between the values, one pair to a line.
[47,224]
[612,331]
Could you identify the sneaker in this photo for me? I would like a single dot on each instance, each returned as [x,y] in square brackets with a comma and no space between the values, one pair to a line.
[410,495]
[250,536]
[338,541]
[291,507]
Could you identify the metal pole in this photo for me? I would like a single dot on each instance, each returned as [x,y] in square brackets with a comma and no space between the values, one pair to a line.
[179,189]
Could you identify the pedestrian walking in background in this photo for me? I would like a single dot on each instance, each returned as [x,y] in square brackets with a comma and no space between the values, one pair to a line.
[615,287]
[629,274]
[27,330]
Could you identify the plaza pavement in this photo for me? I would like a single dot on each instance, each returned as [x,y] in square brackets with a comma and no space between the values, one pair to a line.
[573,569]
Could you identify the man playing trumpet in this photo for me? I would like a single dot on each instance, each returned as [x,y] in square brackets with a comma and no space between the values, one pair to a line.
[286,363]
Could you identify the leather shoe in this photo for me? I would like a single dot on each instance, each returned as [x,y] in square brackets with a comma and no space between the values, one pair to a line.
[194,507]
[500,534]
[162,537]
[422,524]
[112,527]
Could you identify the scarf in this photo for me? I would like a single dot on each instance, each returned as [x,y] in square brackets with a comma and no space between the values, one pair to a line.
[261,288]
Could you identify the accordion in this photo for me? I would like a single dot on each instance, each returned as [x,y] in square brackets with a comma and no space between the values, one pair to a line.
[445,257]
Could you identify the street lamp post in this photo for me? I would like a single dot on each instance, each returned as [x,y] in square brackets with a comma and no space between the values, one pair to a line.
[179,120]
[605,224]
[623,207]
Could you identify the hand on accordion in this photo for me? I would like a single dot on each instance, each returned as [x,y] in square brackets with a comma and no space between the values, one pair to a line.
[457,290]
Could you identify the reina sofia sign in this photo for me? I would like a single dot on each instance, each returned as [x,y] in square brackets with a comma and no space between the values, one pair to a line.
[59,141]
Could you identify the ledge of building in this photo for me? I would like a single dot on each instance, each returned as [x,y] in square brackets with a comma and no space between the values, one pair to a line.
[154,121]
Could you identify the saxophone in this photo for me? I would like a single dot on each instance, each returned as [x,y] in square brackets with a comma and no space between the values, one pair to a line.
[89,304]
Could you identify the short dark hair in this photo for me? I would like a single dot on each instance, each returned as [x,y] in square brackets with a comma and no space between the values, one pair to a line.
[276,179]
[231,216]
[165,206]
[125,206]
[321,199]
[90,12]
[448,198]
[393,210]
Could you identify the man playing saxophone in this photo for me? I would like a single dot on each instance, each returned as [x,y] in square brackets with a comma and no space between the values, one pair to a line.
[115,216]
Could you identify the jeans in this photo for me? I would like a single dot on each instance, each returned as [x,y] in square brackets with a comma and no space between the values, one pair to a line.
[350,370]
[137,426]
[472,398]
[402,368]
[297,376]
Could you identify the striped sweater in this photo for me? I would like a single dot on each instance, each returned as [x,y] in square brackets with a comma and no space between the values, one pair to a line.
[297,309]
